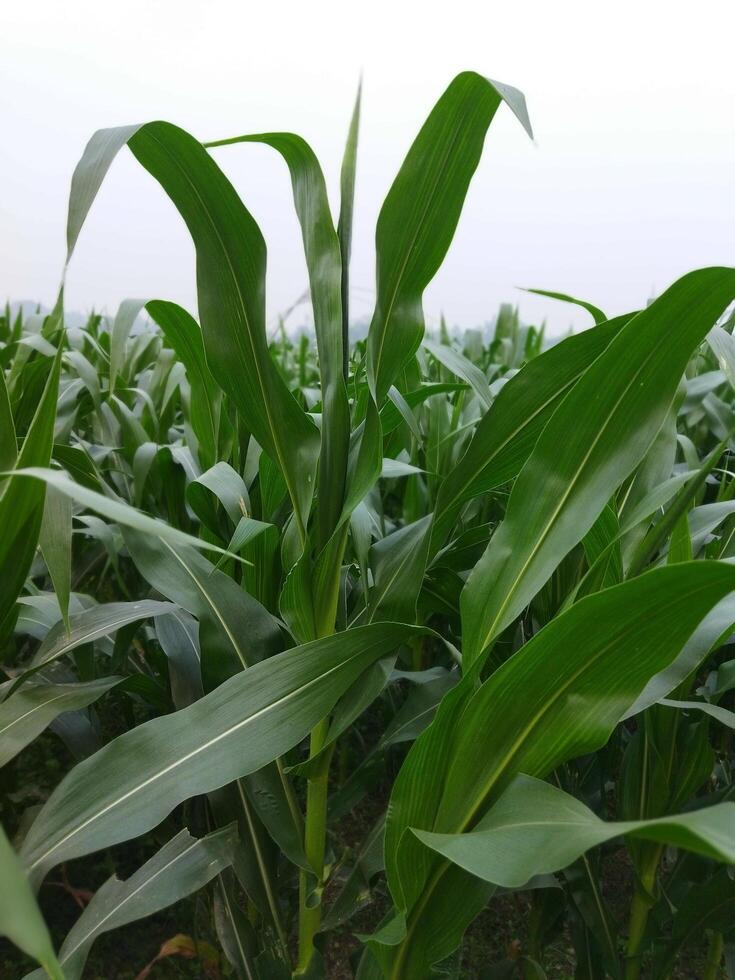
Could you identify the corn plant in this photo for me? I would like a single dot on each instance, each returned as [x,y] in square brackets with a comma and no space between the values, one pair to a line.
[228,559]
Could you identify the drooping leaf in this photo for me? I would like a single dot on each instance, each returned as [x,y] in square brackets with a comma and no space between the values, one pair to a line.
[536,828]
[231,286]
[595,312]
[324,264]
[113,508]
[254,717]
[25,714]
[181,867]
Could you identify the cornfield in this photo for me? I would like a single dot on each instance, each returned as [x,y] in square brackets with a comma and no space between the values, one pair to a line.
[351,643]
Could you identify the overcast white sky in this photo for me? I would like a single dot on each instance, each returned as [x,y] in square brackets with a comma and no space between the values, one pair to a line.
[630,183]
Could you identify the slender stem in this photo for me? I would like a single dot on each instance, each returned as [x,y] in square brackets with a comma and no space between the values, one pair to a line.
[315,838]
[714,956]
[639,909]
[317,790]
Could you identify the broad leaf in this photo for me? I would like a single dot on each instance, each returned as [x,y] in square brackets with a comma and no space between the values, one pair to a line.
[131,784]
[559,697]
[624,398]
[536,828]
[420,214]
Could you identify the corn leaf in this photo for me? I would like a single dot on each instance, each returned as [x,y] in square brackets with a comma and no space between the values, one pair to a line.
[250,720]
[29,711]
[508,432]
[20,917]
[560,696]
[21,507]
[420,214]
[569,477]
[536,828]
[181,867]
[324,264]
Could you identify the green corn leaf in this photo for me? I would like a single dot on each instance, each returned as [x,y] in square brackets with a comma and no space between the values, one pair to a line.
[364,460]
[220,483]
[398,563]
[94,623]
[235,631]
[344,224]
[707,905]
[420,214]
[231,283]
[29,711]
[723,347]
[394,410]
[21,506]
[602,550]
[185,336]
[715,711]
[713,514]
[88,175]
[394,469]
[20,918]
[324,264]
[595,312]
[404,411]
[231,287]
[181,867]
[131,784]
[8,440]
[114,509]
[463,368]
[560,696]
[234,930]
[624,398]
[248,530]
[419,708]
[178,634]
[657,498]
[536,828]
[55,540]
[88,374]
[508,432]
[352,895]
[711,633]
[121,327]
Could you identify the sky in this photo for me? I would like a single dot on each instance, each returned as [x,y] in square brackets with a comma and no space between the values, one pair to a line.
[629,183]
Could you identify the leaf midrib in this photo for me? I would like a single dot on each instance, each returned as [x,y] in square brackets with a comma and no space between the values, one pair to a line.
[272,705]
[238,334]
[565,496]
